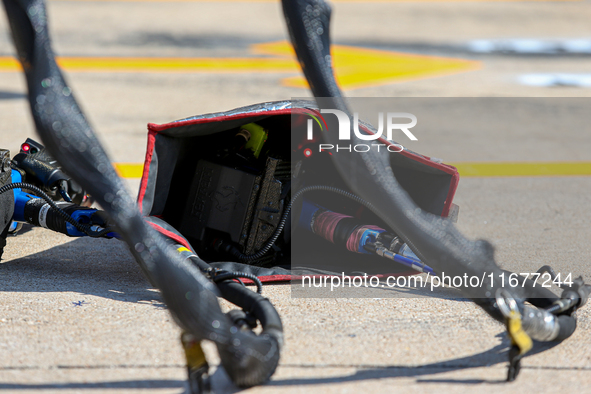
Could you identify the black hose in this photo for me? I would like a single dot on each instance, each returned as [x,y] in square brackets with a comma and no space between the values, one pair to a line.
[221,276]
[65,132]
[84,228]
[568,325]
[250,359]
[435,240]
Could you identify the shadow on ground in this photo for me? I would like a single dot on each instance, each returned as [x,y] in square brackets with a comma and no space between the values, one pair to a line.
[6,95]
[126,384]
[220,381]
[99,267]
[488,358]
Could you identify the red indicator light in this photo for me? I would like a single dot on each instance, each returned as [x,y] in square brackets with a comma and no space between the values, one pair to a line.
[308,152]
[26,147]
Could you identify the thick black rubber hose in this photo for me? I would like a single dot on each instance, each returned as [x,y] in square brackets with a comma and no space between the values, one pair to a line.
[249,359]
[191,298]
[260,361]
[568,325]
[435,240]
[70,140]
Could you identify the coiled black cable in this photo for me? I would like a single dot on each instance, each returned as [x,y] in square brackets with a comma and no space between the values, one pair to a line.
[40,193]
[265,248]
[225,275]
[219,275]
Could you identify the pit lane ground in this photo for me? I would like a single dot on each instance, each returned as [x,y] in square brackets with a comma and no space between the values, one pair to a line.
[78,316]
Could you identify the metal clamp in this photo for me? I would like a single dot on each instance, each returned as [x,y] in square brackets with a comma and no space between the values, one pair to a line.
[507,304]
[521,343]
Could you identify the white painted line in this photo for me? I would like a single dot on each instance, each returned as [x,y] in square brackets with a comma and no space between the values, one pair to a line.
[556,79]
[578,46]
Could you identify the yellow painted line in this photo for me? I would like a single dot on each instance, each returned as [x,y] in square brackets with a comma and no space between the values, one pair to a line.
[354,67]
[466,169]
[523,169]
[147,64]
[8,64]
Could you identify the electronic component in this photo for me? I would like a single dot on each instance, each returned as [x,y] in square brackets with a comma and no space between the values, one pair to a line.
[258,137]
[233,206]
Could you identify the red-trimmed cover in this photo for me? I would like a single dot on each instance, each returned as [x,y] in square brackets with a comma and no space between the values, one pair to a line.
[146,171]
[154,129]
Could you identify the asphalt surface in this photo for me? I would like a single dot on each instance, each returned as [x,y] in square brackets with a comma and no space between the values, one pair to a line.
[78,315]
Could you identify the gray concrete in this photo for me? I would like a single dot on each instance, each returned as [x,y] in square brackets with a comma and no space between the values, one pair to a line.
[77,315]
